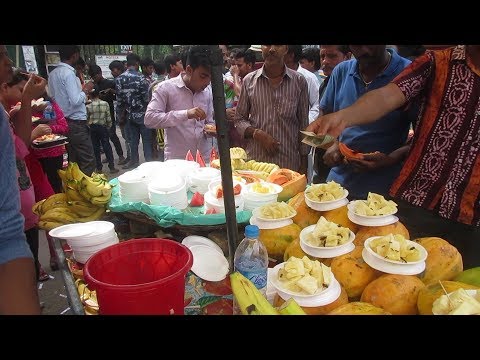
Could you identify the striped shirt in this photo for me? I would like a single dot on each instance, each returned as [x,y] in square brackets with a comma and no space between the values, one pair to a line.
[98,112]
[442,171]
[281,112]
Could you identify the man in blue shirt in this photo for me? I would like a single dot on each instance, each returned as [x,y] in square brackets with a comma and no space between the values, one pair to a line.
[66,89]
[373,67]
[18,292]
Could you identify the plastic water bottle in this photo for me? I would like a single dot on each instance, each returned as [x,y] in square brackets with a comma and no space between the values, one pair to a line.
[49,113]
[251,260]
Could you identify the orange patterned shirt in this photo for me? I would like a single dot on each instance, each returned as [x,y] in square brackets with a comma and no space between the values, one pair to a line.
[442,170]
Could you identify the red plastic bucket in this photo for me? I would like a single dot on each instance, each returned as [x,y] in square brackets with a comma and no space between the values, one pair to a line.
[140,277]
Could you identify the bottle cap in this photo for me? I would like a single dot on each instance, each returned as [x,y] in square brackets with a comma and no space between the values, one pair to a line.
[251,231]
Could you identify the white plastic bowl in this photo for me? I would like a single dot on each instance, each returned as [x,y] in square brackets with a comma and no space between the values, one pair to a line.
[112,240]
[72,231]
[274,190]
[181,167]
[200,178]
[214,184]
[327,205]
[421,249]
[211,202]
[351,207]
[152,168]
[325,251]
[104,230]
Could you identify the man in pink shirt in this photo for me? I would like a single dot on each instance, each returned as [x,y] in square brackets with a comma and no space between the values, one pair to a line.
[183,106]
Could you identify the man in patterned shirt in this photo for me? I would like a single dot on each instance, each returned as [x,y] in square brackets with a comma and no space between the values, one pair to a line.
[441,172]
[132,100]
[100,121]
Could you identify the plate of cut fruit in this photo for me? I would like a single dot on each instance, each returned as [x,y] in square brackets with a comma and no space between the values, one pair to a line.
[50,140]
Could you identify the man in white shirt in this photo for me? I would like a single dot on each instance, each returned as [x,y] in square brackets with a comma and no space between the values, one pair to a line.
[292,61]
[63,87]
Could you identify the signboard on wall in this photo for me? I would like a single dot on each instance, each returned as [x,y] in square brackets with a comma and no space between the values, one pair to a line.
[126,49]
[104,61]
[30,60]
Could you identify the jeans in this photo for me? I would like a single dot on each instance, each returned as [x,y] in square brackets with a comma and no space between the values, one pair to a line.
[79,147]
[123,130]
[115,140]
[100,135]
[134,130]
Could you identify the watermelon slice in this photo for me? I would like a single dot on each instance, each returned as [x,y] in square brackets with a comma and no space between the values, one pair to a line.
[199,159]
[210,211]
[197,200]
[213,154]
[189,156]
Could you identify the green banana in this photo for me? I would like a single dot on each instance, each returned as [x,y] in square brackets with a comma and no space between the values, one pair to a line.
[78,174]
[73,194]
[249,298]
[290,307]
[91,187]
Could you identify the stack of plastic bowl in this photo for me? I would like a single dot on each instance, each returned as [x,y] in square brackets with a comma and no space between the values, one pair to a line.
[199,179]
[86,239]
[254,199]
[169,190]
[181,167]
[218,204]
[152,168]
[133,187]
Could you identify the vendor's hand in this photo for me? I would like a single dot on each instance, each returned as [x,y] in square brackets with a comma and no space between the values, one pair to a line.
[34,88]
[41,130]
[269,144]
[333,157]
[331,124]
[196,113]
[371,162]
[230,114]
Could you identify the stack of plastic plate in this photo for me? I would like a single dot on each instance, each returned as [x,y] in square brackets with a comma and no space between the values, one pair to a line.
[133,187]
[327,205]
[86,239]
[169,190]
[152,169]
[364,220]
[324,252]
[320,298]
[181,167]
[380,263]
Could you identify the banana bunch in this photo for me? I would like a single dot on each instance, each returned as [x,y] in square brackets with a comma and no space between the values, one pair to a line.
[87,297]
[252,302]
[57,210]
[80,187]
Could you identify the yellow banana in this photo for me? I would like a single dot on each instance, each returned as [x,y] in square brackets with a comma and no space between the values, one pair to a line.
[73,194]
[91,187]
[100,200]
[37,208]
[48,225]
[63,175]
[82,208]
[52,200]
[58,215]
[78,174]
[249,299]
[95,216]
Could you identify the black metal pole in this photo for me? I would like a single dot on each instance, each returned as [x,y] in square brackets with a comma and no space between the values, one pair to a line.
[216,59]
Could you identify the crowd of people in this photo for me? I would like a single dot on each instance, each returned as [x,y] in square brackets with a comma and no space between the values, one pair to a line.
[369,97]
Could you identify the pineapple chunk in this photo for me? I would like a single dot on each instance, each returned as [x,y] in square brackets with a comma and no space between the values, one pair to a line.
[393,251]
[309,284]
[327,275]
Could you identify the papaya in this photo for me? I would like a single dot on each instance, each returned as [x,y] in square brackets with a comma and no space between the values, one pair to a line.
[470,276]
[397,294]
[277,240]
[306,216]
[352,154]
[365,232]
[339,216]
[444,262]
[291,181]
[358,308]
[353,273]
[430,293]
[318,310]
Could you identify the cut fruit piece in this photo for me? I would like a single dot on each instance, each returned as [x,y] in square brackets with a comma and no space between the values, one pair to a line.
[197,200]
[199,159]
[189,156]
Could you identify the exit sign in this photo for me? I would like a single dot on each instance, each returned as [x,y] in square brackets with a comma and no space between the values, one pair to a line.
[126,48]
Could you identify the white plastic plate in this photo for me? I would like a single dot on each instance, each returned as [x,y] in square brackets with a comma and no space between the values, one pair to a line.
[208,263]
[193,240]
